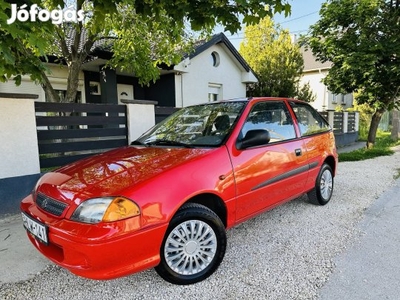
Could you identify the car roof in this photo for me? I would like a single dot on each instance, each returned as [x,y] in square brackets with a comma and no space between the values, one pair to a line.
[252,99]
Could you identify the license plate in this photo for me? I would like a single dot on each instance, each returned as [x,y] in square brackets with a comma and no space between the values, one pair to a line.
[37,229]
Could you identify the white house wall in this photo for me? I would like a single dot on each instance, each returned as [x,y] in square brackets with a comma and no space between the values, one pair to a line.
[318,88]
[192,87]
[27,87]
[58,77]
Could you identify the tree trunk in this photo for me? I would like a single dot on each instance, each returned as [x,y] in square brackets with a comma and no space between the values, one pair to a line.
[395,126]
[373,128]
[51,95]
[74,68]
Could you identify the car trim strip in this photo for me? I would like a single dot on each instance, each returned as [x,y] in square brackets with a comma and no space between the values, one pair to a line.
[286,175]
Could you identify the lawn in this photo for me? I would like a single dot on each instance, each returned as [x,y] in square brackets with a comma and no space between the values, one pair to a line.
[383,145]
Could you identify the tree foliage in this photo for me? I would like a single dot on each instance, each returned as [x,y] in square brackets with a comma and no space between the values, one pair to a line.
[362,40]
[20,46]
[305,93]
[140,34]
[277,61]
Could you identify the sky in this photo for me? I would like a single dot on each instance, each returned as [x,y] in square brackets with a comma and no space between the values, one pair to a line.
[304,13]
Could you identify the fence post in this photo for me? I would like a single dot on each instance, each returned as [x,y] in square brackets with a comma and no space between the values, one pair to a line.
[18,139]
[19,163]
[345,122]
[331,118]
[140,117]
[357,121]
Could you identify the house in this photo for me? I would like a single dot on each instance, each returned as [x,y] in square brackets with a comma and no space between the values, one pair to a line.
[214,71]
[313,73]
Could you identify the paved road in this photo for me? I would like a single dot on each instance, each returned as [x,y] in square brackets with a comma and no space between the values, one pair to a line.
[351,147]
[369,269]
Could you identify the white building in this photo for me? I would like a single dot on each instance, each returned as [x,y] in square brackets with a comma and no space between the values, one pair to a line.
[313,73]
[215,71]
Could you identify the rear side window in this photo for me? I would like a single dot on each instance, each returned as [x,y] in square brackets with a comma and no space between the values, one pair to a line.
[272,116]
[309,120]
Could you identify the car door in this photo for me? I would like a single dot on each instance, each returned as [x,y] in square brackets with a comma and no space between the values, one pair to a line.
[317,137]
[269,174]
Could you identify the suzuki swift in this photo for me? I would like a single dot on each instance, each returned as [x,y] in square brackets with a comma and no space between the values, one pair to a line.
[166,200]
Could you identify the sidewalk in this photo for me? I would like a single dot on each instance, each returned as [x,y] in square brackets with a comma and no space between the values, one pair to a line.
[14,248]
[351,147]
[370,268]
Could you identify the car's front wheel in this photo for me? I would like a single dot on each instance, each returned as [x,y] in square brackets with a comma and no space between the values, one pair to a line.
[193,247]
[322,192]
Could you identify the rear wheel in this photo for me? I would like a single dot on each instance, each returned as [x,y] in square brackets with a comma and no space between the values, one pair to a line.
[322,192]
[193,247]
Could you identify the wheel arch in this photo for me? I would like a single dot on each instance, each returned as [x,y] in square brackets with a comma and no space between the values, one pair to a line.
[213,202]
[330,160]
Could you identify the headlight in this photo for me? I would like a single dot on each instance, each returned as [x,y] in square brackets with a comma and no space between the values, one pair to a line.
[107,209]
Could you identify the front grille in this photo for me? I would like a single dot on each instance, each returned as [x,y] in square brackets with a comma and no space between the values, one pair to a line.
[50,205]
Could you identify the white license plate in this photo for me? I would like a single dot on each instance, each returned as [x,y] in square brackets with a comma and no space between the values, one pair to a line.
[39,230]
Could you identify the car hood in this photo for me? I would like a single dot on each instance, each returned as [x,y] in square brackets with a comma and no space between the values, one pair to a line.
[109,173]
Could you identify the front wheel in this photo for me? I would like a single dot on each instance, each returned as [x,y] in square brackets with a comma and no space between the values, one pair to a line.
[322,192]
[193,247]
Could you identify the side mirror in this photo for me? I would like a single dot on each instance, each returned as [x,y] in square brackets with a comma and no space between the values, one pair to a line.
[256,137]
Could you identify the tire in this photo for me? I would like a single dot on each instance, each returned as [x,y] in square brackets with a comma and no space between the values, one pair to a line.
[193,246]
[322,192]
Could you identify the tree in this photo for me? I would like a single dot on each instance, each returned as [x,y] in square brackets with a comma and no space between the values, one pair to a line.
[305,93]
[276,61]
[362,40]
[140,34]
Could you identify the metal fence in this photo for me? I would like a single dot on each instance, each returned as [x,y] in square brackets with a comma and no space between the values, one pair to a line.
[70,131]
[341,122]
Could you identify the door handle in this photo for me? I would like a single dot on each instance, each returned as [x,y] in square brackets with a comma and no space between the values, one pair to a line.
[298,152]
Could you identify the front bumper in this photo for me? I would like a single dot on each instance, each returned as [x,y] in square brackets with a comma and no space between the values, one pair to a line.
[98,251]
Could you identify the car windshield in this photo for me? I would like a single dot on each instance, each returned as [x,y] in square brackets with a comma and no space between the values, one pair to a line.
[199,125]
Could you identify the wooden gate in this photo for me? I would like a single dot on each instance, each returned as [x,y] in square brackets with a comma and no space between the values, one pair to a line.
[71,131]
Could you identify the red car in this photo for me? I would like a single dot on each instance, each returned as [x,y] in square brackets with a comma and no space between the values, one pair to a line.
[166,200]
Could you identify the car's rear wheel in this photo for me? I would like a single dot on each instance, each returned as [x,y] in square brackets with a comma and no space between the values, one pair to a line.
[193,247]
[322,192]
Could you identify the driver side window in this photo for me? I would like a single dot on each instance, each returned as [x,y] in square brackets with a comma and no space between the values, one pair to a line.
[272,116]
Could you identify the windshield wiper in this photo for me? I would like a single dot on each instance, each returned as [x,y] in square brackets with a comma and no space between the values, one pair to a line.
[169,143]
[137,142]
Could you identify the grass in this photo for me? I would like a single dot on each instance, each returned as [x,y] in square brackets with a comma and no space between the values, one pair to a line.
[382,147]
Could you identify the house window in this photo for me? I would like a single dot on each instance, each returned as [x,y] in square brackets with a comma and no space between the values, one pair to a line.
[94,88]
[336,98]
[212,97]
[348,99]
[214,92]
[215,59]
